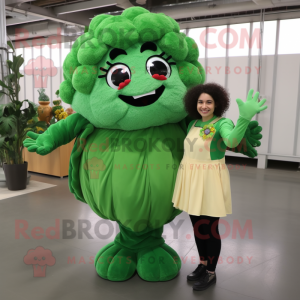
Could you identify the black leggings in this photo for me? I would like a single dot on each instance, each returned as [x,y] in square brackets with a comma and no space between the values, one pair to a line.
[207,237]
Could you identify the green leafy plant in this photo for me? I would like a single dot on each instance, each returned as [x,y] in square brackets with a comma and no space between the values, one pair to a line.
[17,117]
[57,93]
[55,108]
[43,96]
[56,102]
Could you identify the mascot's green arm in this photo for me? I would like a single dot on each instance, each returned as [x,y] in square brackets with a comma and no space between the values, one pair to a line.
[61,133]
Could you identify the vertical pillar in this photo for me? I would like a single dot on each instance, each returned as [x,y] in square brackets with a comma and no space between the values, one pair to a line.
[262,24]
[3,44]
[205,54]
[262,161]
[226,61]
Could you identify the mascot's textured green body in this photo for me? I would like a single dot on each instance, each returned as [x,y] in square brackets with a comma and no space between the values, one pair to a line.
[126,79]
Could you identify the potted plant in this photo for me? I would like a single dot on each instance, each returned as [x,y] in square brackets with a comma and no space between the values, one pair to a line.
[57,106]
[44,110]
[58,114]
[58,101]
[16,119]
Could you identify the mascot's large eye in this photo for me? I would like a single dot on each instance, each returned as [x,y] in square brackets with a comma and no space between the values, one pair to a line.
[116,74]
[157,65]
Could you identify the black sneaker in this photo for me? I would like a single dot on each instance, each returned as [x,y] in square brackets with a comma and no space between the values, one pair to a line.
[206,281]
[197,274]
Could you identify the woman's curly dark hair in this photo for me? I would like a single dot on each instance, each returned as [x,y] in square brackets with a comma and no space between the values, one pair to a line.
[215,90]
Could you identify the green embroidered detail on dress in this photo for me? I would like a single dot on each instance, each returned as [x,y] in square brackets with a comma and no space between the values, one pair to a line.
[207,131]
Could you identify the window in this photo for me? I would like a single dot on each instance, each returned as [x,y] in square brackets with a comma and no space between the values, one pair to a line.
[27,55]
[196,34]
[216,41]
[46,61]
[256,39]
[239,41]
[269,39]
[289,42]
[65,50]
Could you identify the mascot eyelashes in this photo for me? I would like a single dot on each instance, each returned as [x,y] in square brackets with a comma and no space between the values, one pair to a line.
[126,78]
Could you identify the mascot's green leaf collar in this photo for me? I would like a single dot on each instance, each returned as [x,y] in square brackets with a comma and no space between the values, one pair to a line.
[144,49]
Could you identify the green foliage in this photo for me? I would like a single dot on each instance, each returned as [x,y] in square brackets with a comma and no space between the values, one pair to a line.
[43,96]
[53,121]
[56,102]
[57,93]
[9,43]
[15,121]
[54,108]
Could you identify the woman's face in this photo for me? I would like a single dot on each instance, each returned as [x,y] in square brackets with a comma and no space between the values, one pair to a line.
[206,106]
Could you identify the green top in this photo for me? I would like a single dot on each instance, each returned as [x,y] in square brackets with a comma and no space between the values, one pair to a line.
[227,135]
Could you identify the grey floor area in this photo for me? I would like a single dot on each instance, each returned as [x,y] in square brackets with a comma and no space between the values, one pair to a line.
[261,265]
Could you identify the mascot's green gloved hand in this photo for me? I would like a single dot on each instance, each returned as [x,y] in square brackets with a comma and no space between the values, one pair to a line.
[251,107]
[253,134]
[250,140]
[57,134]
[39,143]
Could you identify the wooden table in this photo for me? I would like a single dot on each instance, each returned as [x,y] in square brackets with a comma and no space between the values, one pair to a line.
[55,163]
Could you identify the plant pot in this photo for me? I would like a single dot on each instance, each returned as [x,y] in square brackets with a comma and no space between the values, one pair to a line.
[70,111]
[16,176]
[56,102]
[57,105]
[45,111]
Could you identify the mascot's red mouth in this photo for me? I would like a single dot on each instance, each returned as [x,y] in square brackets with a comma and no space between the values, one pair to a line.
[145,100]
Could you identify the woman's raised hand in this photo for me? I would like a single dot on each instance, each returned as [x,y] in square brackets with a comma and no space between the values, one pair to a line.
[251,107]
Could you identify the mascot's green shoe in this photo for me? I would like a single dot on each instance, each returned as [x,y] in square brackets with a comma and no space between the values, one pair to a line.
[158,264]
[115,263]
[145,252]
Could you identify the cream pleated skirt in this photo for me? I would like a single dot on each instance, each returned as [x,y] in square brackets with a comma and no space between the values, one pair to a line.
[202,185]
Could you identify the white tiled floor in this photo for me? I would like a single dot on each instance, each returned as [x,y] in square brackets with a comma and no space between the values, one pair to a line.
[269,199]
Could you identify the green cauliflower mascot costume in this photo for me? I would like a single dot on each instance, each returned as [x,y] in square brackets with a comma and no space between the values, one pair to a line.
[126,78]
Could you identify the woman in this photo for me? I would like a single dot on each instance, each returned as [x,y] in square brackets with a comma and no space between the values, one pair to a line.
[202,186]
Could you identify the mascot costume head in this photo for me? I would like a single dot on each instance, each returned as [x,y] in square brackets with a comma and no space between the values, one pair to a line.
[143,52]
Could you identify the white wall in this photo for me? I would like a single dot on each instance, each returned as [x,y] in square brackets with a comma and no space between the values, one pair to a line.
[232,63]
[48,57]
[221,47]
